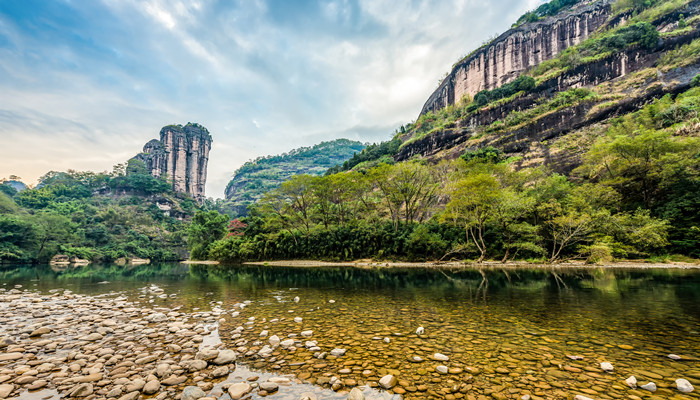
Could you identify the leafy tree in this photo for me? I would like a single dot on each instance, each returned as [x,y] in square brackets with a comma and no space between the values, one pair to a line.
[206,228]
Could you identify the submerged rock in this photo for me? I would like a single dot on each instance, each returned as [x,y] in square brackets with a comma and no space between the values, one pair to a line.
[684,386]
[606,366]
[356,394]
[388,382]
[238,390]
[651,386]
[192,393]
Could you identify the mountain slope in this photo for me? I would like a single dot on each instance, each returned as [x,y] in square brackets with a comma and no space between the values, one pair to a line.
[256,177]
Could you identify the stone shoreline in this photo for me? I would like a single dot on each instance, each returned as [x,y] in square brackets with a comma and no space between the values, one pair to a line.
[66,345]
[452,265]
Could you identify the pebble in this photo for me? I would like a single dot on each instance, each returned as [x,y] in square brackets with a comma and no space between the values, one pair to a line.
[606,366]
[440,357]
[388,382]
[684,386]
[192,393]
[631,382]
[651,386]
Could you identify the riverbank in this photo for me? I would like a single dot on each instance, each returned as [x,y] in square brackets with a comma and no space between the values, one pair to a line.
[365,264]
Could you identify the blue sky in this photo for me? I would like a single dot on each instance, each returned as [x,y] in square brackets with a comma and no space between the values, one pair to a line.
[85,84]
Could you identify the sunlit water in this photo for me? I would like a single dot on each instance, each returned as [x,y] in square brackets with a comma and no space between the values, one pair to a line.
[507,333]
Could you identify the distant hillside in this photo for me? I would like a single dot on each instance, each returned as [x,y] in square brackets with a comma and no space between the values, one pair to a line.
[256,177]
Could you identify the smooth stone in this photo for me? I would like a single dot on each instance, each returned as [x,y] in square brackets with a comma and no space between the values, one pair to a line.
[651,386]
[606,366]
[82,390]
[274,340]
[307,333]
[238,390]
[338,352]
[41,331]
[269,387]
[174,380]
[6,389]
[93,337]
[225,357]
[631,382]
[298,320]
[130,396]
[440,357]
[192,393]
[296,299]
[684,386]
[420,331]
[207,354]
[388,381]
[11,356]
[441,369]
[356,394]
[151,387]
[219,372]
[581,397]
[287,343]
[674,357]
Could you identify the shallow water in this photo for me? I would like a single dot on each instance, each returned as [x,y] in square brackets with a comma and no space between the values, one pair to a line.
[507,332]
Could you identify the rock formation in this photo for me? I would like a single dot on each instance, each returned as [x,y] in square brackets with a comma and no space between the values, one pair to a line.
[181,155]
[516,50]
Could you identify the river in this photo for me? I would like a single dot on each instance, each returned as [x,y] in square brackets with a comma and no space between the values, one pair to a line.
[494,333]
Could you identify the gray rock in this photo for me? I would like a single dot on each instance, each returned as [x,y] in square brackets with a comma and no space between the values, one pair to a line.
[356,394]
[225,357]
[219,372]
[207,354]
[192,393]
[238,390]
[684,386]
[388,382]
[651,386]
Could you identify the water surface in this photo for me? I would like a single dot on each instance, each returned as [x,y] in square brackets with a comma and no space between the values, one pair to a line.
[507,332]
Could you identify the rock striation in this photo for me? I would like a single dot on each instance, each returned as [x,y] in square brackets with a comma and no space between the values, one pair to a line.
[181,155]
[516,50]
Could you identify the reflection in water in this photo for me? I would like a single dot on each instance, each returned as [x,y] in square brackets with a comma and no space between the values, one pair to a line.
[504,330]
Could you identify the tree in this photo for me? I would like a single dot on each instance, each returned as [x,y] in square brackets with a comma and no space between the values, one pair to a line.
[471,204]
[205,229]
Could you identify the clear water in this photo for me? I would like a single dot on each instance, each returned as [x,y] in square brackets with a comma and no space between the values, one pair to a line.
[507,332]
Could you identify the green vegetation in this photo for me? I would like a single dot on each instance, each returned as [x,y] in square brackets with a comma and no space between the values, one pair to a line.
[94,216]
[257,177]
[545,10]
[636,195]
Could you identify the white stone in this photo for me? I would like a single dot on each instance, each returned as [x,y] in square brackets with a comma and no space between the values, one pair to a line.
[631,382]
[263,333]
[606,366]
[651,386]
[307,333]
[298,320]
[420,331]
[238,390]
[356,394]
[674,357]
[274,340]
[296,299]
[338,352]
[287,343]
[441,369]
[387,382]
[684,386]
[440,357]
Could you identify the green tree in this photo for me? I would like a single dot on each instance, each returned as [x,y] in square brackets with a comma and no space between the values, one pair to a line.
[206,228]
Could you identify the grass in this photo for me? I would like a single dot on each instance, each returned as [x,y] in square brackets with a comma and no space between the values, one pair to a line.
[680,57]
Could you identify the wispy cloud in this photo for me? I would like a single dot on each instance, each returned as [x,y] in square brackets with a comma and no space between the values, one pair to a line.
[85,83]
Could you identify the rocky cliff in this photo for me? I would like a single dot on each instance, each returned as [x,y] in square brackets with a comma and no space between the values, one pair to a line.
[181,155]
[516,50]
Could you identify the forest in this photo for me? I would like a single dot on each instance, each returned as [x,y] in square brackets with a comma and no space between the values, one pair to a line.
[635,195]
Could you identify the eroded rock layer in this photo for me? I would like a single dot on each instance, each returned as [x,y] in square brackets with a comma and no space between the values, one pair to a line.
[181,155]
[516,50]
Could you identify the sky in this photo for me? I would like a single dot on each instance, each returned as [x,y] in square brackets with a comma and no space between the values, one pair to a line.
[84,84]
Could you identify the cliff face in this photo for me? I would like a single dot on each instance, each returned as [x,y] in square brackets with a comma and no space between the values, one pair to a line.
[516,50]
[181,155]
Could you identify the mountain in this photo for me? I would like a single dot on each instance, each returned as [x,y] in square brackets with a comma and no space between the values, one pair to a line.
[543,91]
[181,155]
[256,177]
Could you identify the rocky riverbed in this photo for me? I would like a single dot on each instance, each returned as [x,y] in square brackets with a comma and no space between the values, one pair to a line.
[296,344]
